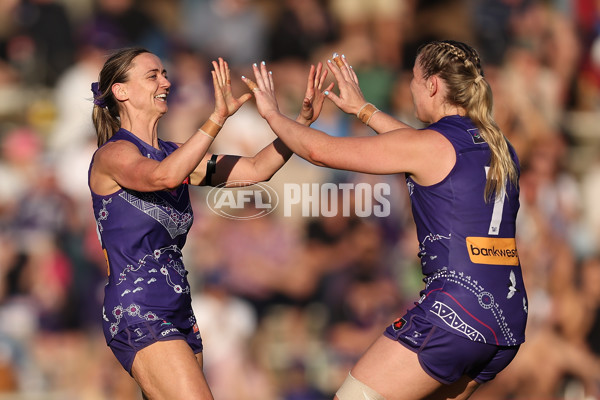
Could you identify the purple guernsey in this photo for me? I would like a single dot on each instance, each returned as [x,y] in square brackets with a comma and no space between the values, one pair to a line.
[142,235]
[474,286]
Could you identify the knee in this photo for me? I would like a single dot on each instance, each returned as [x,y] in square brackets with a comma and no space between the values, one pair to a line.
[353,389]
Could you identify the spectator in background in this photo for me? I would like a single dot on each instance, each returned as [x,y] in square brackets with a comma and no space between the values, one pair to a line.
[361,296]
[301,28]
[228,323]
[551,192]
[46,40]
[380,21]
[190,95]
[130,24]
[492,23]
[590,285]
[21,152]
[233,29]
[72,140]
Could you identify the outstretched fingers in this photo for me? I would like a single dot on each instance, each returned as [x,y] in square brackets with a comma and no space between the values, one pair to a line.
[320,76]
[250,83]
[312,77]
[339,67]
[225,103]
[263,89]
[264,79]
[310,84]
[351,72]
[218,72]
[350,97]
[338,60]
[267,78]
[254,86]
[227,73]
[314,96]
[342,69]
[222,74]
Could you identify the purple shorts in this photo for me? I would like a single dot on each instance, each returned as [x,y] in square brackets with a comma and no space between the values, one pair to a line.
[445,356]
[133,338]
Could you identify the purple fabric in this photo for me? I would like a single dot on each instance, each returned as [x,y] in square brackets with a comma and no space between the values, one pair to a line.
[447,357]
[98,100]
[142,235]
[473,290]
[134,338]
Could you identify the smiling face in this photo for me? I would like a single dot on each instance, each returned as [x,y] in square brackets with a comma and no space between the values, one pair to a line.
[147,86]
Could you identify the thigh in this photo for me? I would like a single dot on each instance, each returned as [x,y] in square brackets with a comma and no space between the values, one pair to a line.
[169,370]
[462,389]
[394,371]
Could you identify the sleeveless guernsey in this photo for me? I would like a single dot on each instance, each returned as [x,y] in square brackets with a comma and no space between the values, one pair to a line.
[142,235]
[474,286]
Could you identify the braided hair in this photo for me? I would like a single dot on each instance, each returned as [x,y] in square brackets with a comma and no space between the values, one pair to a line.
[459,65]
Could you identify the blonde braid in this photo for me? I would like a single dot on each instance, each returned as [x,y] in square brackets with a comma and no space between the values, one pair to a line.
[459,66]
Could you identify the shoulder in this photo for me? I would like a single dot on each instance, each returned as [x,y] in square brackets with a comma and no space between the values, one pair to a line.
[426,154]
[417,142]
[117,146]
[116,150]
[429,136]
[460,131]
[451,122]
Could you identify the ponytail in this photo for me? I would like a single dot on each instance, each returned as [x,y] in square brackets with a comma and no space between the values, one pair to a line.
[502,166]
[105,114]
[460,67]
[105,122]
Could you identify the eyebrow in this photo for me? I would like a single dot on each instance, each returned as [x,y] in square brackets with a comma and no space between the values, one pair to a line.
[164,71]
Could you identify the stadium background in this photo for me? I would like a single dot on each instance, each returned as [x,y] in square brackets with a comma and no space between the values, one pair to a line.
[286,305]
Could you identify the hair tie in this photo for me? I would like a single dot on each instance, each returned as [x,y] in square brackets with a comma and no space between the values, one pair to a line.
[478,79]
[98,100]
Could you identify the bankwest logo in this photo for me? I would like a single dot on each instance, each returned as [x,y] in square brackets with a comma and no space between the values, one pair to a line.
[496,251]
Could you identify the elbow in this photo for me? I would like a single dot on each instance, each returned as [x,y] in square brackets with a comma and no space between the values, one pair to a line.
[173,186]
[263,176]
[168,182]
[316,156]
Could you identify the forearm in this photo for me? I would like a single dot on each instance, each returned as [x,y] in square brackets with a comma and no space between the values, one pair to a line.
[377,120]
[270,159]
[298,138]
[185,160]
[180,164]
[245,170]
[382,122]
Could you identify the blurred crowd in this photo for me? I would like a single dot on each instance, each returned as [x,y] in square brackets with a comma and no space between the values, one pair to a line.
[287,304]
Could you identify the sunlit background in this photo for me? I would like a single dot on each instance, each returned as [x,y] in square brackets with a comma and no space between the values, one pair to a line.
[286,305]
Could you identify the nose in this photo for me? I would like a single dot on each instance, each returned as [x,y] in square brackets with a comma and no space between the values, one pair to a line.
[165,83]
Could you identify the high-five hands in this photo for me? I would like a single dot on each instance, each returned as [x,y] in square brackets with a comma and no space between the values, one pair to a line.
[314,96]
[264,92]
[225,103]
[351,98]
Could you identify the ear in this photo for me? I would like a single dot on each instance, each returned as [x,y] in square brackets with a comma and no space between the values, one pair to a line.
[120,91]
[433,85]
